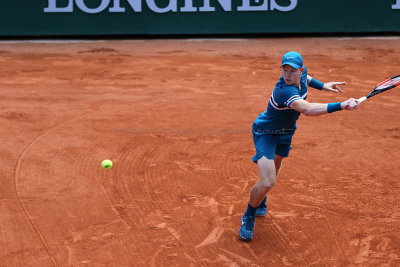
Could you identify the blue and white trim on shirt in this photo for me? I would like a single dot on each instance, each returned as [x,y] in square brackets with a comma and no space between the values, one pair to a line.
[287,103]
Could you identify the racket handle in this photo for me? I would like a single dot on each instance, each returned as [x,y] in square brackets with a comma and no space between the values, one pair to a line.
[362,99]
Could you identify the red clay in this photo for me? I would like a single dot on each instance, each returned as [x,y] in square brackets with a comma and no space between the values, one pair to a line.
[175,118]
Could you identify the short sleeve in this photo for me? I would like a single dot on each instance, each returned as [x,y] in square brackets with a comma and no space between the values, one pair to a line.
[285,96]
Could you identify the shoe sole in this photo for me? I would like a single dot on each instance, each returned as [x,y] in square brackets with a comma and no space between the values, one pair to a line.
[246,239]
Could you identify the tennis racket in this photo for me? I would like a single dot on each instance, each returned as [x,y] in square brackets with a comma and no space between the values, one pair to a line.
[382,87]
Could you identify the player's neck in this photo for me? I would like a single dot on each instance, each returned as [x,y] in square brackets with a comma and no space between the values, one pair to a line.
[298,85]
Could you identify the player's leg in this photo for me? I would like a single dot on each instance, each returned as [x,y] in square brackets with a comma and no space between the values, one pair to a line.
[261,210]
[265,154]
[266,181]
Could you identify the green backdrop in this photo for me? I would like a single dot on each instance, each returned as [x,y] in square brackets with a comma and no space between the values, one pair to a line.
[159,17]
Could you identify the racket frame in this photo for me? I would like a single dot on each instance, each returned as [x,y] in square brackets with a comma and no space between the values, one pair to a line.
[376,91]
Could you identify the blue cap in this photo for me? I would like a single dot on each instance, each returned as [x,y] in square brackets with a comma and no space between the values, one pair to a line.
[293,59]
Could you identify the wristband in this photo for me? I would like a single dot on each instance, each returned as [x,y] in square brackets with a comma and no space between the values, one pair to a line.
[332,107]
[316,84]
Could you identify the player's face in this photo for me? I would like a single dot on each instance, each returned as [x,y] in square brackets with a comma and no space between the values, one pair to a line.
[291,75]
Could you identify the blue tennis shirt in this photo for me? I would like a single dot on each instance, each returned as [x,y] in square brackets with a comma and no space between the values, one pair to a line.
[279,118]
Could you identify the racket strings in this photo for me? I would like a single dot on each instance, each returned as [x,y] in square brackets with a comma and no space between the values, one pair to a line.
[388,83]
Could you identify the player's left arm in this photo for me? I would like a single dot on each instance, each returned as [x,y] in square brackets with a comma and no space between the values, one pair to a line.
[330,86]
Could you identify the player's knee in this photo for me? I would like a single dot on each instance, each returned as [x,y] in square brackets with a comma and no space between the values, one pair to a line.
[268,184]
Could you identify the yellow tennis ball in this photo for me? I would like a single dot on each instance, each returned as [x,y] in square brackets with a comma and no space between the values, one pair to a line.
[106,164]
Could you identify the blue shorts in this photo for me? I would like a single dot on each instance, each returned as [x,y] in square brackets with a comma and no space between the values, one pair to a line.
[270,144]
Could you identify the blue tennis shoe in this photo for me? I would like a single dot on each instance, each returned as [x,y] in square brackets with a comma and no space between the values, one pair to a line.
[261,210]
[247,228]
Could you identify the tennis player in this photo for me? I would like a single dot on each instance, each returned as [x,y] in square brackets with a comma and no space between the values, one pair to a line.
[273,129]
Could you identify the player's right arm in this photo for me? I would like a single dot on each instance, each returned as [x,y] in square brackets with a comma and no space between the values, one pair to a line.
[317,109]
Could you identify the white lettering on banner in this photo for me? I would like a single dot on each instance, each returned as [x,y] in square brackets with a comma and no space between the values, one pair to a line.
[52,8]
[290,7]
[172,6]
[136,5]
[82,6]
[247,7]
[225,4]
[397,5]
[189,7]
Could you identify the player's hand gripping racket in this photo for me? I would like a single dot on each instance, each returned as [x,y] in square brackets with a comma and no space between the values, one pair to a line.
[382,87]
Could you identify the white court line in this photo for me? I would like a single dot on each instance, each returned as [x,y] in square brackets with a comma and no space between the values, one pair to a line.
[49,41]
[217,39]
[60,41]
[371,38]
[194,40]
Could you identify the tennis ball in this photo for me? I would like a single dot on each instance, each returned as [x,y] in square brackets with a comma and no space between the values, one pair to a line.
[106,164]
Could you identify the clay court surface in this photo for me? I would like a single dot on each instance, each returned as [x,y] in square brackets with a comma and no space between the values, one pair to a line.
[175,118]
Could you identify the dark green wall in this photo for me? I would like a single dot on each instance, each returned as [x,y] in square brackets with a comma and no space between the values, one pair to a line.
[28,18]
